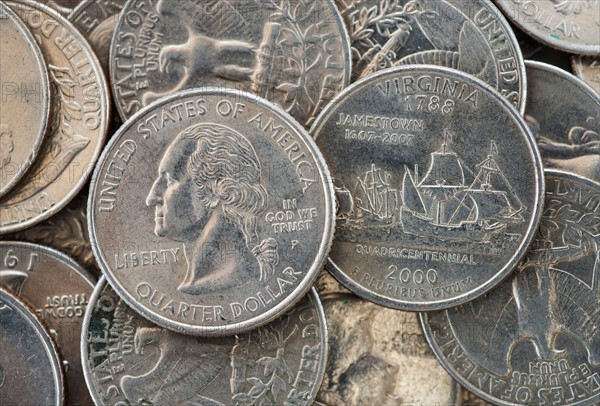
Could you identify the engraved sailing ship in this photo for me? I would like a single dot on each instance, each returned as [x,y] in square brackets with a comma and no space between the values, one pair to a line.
[443,204]
[374,198]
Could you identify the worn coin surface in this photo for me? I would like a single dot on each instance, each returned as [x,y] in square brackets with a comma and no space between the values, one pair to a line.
[96,19]
[379,356]
[30,370]
[438,184]
[211,212]
[25,101]
[564,116]
[128,360]
[535,339]
[58,290]
[294,53]
[468,35]
[587,68]
[569,25]
[78,126]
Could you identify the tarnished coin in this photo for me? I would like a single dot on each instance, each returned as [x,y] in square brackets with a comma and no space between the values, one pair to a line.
[294,53]
[96,19]
[535,339]
[569,25]
[128,360]
[30,370]
[438,184]
[587,68]
[58,290]
[384,349]
[564,115]
[25,99]
[78,127]
[211,212]
[468,35]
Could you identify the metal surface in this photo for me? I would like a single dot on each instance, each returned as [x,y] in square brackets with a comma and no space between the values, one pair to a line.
[564,115]
[223,208]
[128,360]
[439,187]
[78,127]
[295,54]
[58,290]
[468,35]
[536,338]
[587,68]
[569,25]
[30,370]
[25,101]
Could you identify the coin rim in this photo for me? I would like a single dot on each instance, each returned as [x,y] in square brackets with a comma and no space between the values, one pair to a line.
[538,203]
[423,318]
[45,95]
[103,89]
[100,286]
[311,273]
[47,341]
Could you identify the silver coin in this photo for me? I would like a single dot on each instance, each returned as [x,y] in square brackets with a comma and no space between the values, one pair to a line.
[294,53]
[379,356]
[211,212]
[469,35]
[128,360]
[25,101]
[58,290]
[78,127]
[30,370]
[96,19]
[65,7]
[438,183]
[564,115]
[535,339]
[587,68]
[569,25]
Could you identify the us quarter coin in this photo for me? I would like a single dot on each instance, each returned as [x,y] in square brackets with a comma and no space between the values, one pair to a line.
[566,127]
[25,102]
[58,290]
[587,68]
[384,348]
[438,183]
[469,35]
[30,370]
[571,26]
[294,53]
[128,360]
[78,126]
[535,339]
[222,207]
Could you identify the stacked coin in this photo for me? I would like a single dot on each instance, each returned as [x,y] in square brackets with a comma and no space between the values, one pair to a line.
[400,156]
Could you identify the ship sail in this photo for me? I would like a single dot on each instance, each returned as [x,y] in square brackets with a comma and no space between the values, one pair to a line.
[446,169]
[374,195]
[411,199]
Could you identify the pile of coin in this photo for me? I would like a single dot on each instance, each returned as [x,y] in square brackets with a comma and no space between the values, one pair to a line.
[288,202]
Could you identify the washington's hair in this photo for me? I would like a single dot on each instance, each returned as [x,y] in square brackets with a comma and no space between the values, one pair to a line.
[225,166]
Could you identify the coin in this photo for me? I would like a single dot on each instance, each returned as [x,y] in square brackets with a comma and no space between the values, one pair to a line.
[438,185]
[78,128]
[571,26]
[30,371]
[223,208]
[62,6]
[535,339]
[96,19]
[385,349]
[128,360]
[564,114]
[587,68]
[25,105]
[469,35]
[58,290]
[295,54]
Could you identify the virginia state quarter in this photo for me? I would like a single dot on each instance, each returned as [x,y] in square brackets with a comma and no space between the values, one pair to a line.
[211,212]
[438,185]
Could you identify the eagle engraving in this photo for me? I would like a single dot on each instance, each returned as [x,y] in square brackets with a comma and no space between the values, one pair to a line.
[570,7]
